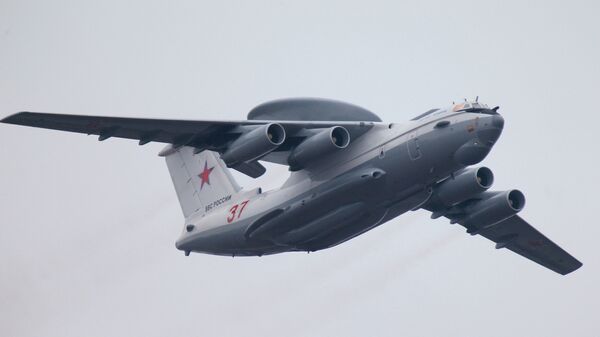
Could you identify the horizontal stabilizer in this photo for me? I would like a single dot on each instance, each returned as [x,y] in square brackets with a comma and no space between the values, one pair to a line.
[252,169]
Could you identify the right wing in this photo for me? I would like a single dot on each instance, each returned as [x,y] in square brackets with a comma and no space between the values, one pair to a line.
[203,135]
[143,129]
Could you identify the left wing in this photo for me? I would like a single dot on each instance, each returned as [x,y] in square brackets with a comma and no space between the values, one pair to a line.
[203,135]
[520,237]
[493,216]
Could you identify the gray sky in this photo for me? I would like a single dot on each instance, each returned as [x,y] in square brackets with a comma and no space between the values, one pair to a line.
[87,229]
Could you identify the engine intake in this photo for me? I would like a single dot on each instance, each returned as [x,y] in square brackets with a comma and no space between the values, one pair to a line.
[317,145]
[500,206]
[464,186]
[254,144]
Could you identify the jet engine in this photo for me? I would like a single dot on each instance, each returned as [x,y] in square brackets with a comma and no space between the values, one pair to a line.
[499,206]
[254,144]
[464,186]
[317,145]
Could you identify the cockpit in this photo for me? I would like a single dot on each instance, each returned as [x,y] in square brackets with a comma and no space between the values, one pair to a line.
[470,107]
[466,106]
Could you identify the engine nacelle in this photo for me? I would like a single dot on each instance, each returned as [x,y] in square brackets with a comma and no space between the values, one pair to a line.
[464,185]
[254,144]
[317,145]
[500,206]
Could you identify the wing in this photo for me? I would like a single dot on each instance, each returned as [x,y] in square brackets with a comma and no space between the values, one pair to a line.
[204,135]
[512,233]
[520,237]
[144,130]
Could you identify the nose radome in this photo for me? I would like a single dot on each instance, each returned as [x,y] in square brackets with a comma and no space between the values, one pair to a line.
[491,130]
[498,121]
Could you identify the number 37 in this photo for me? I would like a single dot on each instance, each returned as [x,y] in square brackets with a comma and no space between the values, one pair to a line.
[234,213]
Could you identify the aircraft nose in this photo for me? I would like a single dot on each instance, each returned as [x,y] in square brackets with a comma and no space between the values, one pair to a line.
[498,121]
[491,130]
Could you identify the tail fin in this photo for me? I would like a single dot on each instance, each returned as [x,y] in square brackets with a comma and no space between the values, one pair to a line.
[202,181]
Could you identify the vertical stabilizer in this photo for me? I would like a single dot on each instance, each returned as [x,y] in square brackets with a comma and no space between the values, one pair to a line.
[202,181]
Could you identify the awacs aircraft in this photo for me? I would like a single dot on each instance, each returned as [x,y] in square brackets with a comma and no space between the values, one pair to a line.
[350,172]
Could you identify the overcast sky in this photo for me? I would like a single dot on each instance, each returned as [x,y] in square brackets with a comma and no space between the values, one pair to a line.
[87,229]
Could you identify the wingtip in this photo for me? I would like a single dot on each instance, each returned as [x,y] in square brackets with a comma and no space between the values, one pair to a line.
[11,119]
[574,268]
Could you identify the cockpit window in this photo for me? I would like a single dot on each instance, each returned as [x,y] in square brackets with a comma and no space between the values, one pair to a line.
[470,107]
[467,106]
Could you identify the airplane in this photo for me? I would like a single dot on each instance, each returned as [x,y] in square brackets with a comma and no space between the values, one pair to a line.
[349,173]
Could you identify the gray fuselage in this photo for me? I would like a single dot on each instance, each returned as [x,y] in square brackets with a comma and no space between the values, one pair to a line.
[385,172]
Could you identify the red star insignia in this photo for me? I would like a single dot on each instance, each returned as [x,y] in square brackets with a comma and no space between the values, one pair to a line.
[205,175]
